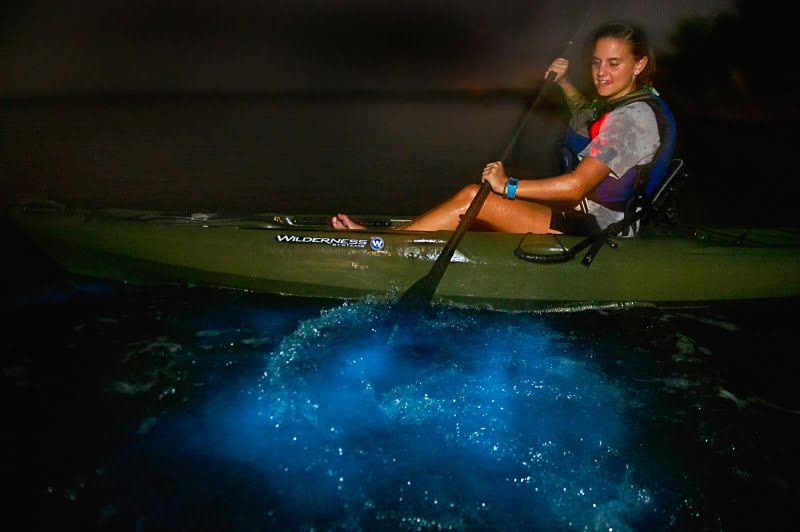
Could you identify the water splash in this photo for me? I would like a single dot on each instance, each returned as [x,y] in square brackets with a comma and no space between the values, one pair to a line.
[496,425]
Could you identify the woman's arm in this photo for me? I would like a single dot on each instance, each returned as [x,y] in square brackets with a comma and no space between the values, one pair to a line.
[568,188]
[575,99]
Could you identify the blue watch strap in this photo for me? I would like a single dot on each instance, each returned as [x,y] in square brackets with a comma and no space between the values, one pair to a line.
[511,187]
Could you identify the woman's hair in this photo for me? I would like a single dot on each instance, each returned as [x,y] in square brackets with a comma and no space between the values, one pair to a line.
[637,40]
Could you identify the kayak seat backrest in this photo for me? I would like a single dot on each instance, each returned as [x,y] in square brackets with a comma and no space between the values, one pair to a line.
[644,210]
[659,168]
[661,205]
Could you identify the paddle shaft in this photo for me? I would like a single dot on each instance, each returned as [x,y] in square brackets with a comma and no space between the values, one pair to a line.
[545,86]
[421,292]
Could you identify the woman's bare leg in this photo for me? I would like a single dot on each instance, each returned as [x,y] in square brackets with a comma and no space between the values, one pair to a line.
[512,216]
[501,214]
[443,216]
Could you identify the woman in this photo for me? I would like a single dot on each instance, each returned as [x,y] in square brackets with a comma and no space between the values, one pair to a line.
[619,141]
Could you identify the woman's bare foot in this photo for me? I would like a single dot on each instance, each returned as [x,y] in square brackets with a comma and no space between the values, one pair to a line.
[342,221]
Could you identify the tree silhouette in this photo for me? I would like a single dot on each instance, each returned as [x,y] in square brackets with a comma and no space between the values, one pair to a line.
[734,63]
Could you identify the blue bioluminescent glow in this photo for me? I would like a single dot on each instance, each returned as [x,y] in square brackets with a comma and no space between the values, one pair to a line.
[481,424]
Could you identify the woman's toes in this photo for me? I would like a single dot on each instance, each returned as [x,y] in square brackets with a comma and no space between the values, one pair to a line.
[342,221]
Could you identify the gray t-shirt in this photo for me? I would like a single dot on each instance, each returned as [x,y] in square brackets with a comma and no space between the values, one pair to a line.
[628,137]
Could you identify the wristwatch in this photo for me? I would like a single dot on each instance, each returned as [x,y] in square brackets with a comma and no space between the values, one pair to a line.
[511,188]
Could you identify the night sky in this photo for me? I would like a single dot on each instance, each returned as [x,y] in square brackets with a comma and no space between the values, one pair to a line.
[91,46]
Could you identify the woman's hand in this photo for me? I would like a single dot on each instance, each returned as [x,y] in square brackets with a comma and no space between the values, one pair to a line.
[495,174]
[559,67]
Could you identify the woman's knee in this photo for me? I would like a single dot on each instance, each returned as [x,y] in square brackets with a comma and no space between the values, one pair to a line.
[467,194]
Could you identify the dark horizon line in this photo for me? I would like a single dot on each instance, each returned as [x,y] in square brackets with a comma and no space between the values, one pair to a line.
[515,92]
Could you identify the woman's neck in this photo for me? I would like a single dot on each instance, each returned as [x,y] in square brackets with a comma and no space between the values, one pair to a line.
[630,90]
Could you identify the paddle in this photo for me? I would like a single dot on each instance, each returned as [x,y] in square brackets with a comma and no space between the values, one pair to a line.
[421,292]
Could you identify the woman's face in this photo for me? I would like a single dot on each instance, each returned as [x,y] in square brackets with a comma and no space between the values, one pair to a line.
[614,68]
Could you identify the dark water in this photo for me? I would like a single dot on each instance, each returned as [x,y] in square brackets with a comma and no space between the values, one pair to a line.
[164,408]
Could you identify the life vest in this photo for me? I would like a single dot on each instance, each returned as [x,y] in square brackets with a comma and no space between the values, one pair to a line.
[644,178]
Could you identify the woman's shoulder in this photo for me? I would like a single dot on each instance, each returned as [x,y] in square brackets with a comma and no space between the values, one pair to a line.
[635,113]
[639,106]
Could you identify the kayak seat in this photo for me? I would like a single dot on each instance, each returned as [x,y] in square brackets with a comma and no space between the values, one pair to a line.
[648,210]
[643,212]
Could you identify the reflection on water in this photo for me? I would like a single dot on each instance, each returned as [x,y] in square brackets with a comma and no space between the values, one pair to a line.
[167,408]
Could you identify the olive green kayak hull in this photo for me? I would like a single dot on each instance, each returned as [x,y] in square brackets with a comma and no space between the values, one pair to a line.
[299,255]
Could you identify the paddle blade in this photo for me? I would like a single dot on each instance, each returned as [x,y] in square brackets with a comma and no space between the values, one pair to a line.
[420,294]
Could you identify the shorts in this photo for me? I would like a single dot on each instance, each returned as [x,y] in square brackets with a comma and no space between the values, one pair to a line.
[582,223]
[573,222]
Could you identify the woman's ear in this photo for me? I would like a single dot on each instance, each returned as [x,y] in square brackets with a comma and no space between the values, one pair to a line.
[640,64]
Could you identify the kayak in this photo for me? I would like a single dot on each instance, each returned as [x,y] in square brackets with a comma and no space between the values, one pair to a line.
[301,255]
